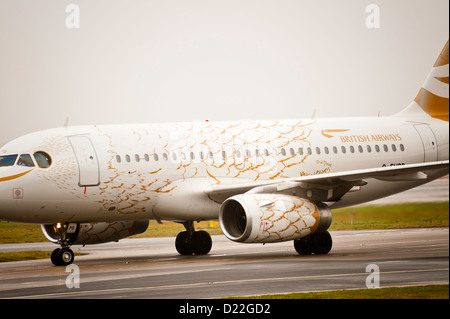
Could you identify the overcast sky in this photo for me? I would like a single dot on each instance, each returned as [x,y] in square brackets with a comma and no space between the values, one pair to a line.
[184,60]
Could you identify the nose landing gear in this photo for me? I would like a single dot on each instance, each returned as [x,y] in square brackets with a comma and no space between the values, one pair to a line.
[64,235]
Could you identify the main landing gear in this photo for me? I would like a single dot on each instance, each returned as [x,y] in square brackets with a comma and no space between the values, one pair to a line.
[317,243]
[193,242]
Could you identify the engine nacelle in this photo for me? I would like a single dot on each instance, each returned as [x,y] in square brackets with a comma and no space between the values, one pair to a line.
[93,233]
[266,218]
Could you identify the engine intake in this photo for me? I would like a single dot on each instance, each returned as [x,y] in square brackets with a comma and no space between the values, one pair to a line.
[265,218]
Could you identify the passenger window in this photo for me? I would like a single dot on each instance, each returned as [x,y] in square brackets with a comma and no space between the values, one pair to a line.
[369,149]
[192,156]
[334,149]
[291,150]
[137,158]
[360,149]
[300,151]
[127,158]
[309,151]
[326,150]
[352,149]
[343,149]
[224,154]
[266,152]
[318,150]
[402,147]
[8,160]
[165,157]
[283,152]
[155,157]
[118,159]
[43,159]
[174,156]
[146,157]
[377,148]
[25,160]
[394,148]
[385,148]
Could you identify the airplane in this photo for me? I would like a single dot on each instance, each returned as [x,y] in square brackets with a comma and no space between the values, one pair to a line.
[265,181]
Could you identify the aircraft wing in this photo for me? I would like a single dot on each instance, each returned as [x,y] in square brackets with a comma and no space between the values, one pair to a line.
[326,187]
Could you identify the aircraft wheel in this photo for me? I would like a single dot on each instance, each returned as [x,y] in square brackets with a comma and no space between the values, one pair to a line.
[54,256]
[199,243]
[202,242]
[303,246]
[317,243]
[322,243]
[183,243]
[62,256]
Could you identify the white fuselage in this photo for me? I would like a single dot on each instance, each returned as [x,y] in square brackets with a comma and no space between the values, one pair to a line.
[162,171]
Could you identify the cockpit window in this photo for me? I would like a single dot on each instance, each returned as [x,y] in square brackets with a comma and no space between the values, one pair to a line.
[7,160]
[43,159]
[25,160]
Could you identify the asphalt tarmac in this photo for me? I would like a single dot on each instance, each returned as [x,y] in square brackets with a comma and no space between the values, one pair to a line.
[151,267]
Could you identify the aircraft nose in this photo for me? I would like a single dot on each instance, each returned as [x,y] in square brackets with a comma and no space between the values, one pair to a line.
[5,198]
[11,193]
[11,174]
[11,185]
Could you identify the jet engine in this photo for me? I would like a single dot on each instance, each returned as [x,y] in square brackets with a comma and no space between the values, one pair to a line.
[92,233]
[266,218]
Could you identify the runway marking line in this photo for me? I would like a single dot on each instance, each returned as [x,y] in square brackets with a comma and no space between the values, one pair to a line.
[222,283]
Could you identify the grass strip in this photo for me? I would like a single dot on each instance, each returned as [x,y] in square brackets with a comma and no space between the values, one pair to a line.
[27,255]
[24,255]
[416,215]
[409,292]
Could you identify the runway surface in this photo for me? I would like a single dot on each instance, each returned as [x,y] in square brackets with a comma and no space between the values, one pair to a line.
[151,267]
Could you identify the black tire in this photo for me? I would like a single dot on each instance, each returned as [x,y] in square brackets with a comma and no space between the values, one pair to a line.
[183,244]
[317,243]
[202,242]
[303,246]
[54,257]
[65,257]
[322,243]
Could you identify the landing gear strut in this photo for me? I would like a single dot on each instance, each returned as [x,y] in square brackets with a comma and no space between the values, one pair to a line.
[193,242]
[317,243]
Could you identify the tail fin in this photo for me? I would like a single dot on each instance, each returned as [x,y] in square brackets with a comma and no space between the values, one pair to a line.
[433,96]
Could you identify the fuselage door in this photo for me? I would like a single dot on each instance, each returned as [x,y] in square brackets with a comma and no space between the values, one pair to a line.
[430,147]
[86,156]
